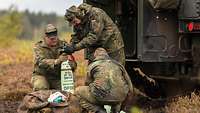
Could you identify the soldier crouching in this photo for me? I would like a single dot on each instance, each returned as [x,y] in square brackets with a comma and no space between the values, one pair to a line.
[107,83]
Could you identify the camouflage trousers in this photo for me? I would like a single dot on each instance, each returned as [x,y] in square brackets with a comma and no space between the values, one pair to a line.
[88,101]
[40,82]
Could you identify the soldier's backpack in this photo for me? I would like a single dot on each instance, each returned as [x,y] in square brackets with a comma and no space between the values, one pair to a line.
[164,4]
[37,102]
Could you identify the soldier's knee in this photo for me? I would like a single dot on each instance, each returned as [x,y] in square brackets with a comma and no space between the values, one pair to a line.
[39,83]
[79,90]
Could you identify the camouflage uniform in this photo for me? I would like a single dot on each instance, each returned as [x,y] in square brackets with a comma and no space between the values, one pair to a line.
[97,30]
[107,83]
[46,74]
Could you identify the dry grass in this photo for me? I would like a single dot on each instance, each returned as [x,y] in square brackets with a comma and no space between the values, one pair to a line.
[17,53]
[15,70]
[189,103]
[185,104]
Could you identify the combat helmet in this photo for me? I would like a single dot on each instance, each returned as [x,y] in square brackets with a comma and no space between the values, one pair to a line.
[71,13]
[85,7]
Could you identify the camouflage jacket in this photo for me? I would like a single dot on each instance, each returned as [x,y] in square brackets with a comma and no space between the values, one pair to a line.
[97,30]
[44,63]
[108,79]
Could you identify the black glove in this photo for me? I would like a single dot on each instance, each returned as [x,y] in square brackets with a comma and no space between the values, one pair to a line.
[67,49]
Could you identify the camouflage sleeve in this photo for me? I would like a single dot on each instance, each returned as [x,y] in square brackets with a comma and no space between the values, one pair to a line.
[76,37]
[88,79]
[98,81]
[42,61]
[96,28]
[101,85]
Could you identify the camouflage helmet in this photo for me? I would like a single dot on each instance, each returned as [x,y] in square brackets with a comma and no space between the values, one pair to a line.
[71,13]
[85,8]
[100,52]
[50,29]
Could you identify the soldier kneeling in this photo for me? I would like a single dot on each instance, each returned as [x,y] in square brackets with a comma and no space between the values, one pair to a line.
[107,83]
[49,55]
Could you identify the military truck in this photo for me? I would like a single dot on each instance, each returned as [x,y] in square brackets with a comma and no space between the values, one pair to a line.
[162,41]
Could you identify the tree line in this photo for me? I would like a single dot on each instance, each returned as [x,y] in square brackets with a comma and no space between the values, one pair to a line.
[28,25]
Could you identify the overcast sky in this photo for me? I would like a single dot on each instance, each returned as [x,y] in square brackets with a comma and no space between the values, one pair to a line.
[58,6]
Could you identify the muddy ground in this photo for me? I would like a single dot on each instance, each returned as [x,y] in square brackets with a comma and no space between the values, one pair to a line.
[8,106]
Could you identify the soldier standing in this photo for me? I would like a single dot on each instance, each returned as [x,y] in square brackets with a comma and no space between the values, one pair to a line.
[107,83]
[46,74]
[94,28]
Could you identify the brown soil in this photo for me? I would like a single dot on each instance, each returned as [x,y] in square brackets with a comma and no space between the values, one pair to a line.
[9,106]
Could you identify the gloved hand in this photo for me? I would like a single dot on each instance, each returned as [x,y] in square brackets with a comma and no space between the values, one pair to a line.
[68,49]
[60,59]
